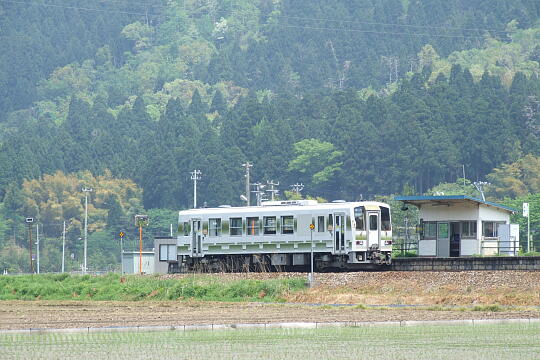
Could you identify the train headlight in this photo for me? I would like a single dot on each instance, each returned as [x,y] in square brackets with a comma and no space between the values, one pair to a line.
[359,242]
[388,242]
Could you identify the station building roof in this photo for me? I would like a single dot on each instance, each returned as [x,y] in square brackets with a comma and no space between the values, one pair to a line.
[449,199]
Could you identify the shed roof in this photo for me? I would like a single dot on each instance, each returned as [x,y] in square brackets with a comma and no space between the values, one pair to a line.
[426,199]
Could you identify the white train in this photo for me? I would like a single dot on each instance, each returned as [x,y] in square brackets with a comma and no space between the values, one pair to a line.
[280,234]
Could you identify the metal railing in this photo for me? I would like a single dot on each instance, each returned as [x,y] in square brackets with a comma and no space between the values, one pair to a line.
[494,246]
[405,242]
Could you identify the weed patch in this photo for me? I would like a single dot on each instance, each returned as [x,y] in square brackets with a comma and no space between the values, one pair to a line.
[136,288]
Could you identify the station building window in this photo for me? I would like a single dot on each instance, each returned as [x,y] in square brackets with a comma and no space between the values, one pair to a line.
[252,226]
[468,229]
[236,227]
[489,228]
[214,227]
[269,225]
[430,230]
[287,224]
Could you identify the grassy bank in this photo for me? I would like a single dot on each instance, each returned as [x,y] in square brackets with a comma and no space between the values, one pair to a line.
[122,288]
[392,342]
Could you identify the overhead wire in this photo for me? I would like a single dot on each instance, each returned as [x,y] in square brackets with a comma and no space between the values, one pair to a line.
[391,24]
[295,26]
[379,32]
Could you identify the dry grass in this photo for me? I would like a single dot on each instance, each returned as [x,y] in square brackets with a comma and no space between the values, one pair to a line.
[508,288]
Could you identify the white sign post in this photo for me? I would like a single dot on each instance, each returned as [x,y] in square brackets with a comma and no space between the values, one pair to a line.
[526,214]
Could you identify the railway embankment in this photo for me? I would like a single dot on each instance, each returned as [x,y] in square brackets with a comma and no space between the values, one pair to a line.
[531,263]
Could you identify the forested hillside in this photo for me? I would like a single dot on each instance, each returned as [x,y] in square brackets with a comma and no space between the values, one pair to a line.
[352,98]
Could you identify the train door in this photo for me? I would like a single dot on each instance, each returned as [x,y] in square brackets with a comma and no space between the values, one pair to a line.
[339,232]
[196,238]
[373,229]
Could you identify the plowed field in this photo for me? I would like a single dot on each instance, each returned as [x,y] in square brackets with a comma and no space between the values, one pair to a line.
[364,296]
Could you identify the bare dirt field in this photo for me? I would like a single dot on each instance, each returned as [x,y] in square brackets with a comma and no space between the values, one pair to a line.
[430,296]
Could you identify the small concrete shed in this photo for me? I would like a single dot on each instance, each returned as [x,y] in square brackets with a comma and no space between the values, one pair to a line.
[131,262]
[461,225]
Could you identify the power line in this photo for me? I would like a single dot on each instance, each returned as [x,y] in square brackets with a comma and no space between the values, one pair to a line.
[391,24]
[78,8]
[222,12]
[381,32]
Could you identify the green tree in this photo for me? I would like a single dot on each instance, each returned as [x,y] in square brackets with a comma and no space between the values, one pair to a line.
[516,179]
[317,160]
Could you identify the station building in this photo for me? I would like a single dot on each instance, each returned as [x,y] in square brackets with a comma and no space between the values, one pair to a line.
[461,225]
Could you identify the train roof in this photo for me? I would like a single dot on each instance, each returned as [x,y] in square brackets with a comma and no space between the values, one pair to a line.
[271,207]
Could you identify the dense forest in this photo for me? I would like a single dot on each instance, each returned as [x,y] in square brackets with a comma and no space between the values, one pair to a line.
[354,99]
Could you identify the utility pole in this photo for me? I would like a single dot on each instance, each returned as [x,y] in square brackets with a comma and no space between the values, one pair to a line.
[247,165]
[195,175]
[63,245]
[30,221]
[297,188]
[140,221]
[86,191]
[273,192]
[37,246]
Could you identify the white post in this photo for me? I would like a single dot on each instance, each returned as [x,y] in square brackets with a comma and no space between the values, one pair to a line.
[311,227]
[195,175]
[85,228]
[528,234]
[122,254]
[528,215]
[195,193]
[37,243]
[63,245]
[171,231]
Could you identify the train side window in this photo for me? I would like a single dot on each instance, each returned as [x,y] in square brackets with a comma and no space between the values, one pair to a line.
[359,218]
[215,227]
[287,224]
[320,224]
[236,227]
[330,222]
[269,225]
[252,226]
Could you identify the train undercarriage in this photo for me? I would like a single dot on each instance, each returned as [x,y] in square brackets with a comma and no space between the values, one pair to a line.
[301,262]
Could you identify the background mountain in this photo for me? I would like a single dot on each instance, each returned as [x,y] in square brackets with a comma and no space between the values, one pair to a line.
[352,98]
